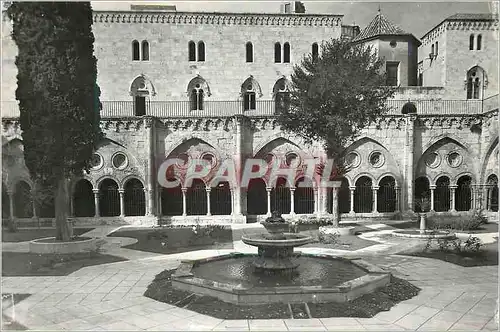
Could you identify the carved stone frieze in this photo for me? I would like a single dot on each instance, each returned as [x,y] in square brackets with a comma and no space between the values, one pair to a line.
[268,123]
[123,124]
[449,122]
[199,124]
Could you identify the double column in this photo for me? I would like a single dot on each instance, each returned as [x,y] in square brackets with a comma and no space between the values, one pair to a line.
[208,190]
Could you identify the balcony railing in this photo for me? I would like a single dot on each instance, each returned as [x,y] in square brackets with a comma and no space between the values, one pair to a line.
[182,109]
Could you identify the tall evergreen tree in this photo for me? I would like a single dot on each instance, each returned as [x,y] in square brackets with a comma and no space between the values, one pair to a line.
[57,93]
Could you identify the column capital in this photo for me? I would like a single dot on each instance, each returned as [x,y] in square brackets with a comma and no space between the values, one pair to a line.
[352,188]
[208,189]
[432,187]
[269,189]
[453,187]
[95,191]
[184,190]
[375,187]
[121,191]
[292,189]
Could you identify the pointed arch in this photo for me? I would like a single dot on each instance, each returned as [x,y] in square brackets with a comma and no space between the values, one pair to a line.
[476,80]
[135,51]
[489,152]
[141,85]
[442,137]
[272,139]
[189,136]
[145,50]
[251,84]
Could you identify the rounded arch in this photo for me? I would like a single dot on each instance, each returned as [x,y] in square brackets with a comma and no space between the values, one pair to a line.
[75,181]
[275,180]
[360,175]
[489,152]
[99,181]
[363,194]
[386,194]
[442,194]
[313,180]
[251,84]
[134,197]
[282,84]
[388,174]
[141,85]
[409,108]
[131,177]
[83,198]
[203,84]
[446,174]
[15,136]
[109,197]
[463,192]
[217,180]
[16,180]
[257,196]
[455,179]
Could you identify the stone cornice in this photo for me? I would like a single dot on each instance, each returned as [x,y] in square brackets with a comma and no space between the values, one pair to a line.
[434,34]
[218,18]
[472,25]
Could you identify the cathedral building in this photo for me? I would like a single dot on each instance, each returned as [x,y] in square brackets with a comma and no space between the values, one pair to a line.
[194,85]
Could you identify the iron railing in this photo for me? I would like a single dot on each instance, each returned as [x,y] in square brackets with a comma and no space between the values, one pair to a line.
[256,197]
[135,200]
[363,196]
[171,201]
[221,108]
[196,198]
[109,199]
[83,199]
[220,199]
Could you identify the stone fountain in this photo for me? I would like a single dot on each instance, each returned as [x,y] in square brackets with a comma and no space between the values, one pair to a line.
[276,253]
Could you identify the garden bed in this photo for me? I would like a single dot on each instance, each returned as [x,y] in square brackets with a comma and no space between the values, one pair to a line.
[365,306]
[170,240]
[31,264]
[484,228]
[23,235]
[345,242]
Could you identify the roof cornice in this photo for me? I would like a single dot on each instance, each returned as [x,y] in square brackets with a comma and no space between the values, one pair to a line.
[217,18]
[485,23]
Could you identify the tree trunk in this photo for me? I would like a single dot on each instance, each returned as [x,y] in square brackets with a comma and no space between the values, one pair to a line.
[63,232]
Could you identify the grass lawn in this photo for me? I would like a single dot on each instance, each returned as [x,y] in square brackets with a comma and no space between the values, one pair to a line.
[488,255]
[23,235]
[365,306]
[345,242]
[168,240]
[484,228]
[17,264]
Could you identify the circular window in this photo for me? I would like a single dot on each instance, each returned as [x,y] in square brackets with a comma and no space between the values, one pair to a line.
[120,160]
[197,86]
[353,159]
[96,161]
[269,158]
[433,160]
[249,87]
[376,159]
[393,43]
[454,159]
[292,160]
[209,158]
[184,160]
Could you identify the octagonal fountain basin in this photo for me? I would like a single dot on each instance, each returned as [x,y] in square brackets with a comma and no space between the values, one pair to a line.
[426,234]
[233,278]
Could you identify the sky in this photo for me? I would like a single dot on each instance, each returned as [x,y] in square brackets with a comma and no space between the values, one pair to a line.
[414,17]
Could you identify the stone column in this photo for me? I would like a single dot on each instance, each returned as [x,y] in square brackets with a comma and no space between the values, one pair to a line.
[375,198]
[96,202]
[352,189]
[239,198]
[184,190]
[452,194]
[158,202]
[122,202]
[335,203]
[408,161]
[208,201]
[324,201]
[151,167]
[398,202]
[232,200]
[316,200]
[11,204]
[292,201]
[432,188]
[486,198]
[268,190]
[474,200]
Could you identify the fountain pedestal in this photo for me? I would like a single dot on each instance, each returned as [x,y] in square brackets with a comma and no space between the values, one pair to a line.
[275,259]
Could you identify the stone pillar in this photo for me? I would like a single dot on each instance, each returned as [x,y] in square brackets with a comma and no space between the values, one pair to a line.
[239,198]
[151,167]
[184,190]
[122,202]
[11,204]
[158,201]
[375,198]
[352,189]
[408,162]
[335,203]
[208,201]
[96,202]
[232,200]
[292,201]
[432,188]
[316,200]
[452,194]
[486,198]
[474,200]
[268,190]
[324,201]
[398,201]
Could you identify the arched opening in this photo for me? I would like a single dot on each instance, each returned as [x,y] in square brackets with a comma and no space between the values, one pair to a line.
[249,90]
[192,51]
[315,51]
[5,203]
[304,196]
[201,51]
[432,49]
[280,197]
[386,195]
[442,194]
[44,202]
[140,89]
[344,197]
[363,195]
[479,42]
[197,88]
[471,42]
[135,51]
[463,194]
[277,52]
[109,198]
[256,197]
[145,50]
[196,198]
[281,95]
[171,200]
[286,53]
[249,52]
[422,191]
[135,201]
[437,48]
[220,199]
[492,196]
[476,78]
[23,200]
[83,199]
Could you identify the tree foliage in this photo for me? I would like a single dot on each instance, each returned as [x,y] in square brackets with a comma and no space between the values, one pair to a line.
[335,95]
[56,88]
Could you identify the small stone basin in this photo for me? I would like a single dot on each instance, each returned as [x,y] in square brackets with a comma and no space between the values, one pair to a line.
[289,240]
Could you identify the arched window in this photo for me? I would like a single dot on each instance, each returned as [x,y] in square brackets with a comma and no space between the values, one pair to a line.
[109,198]
[476,79]
[249,91]
[479,41]
[220,199]
[201,51]
[281,95]
[492,194]
[171,200]
[192,51]
[286,53]
[197,88]
[471,42]
[442,194]
[135,50]
[83,199]
[256,197]
[23,200]
[315,51]
[280,197]
[437,48]
[145,50]
[363,195]
[463,194]
[277,52]
[432,49]
[135,201]
[249,52]
[386,195]
[304,196]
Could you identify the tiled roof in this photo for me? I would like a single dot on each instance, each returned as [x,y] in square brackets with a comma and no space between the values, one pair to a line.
[380,26]
[472,17]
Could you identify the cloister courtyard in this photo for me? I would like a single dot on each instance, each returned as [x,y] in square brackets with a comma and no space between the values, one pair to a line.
[111,289]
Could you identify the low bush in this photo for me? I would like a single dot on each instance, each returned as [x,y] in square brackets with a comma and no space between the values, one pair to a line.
[466,222]
[471,245]
[313,220]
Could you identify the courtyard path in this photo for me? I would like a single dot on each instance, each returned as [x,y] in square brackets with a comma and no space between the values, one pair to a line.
[109,296]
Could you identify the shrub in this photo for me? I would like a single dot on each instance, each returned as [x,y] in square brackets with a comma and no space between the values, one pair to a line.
[313,220]
[330,238]
[466,222]
[471,245]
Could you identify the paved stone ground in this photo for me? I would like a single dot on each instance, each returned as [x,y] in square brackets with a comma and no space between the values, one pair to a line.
[109,297]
